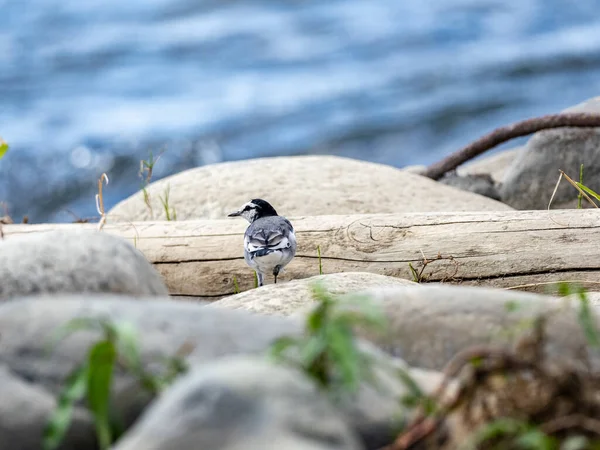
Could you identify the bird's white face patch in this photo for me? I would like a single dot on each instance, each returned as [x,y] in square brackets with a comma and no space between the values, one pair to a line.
[248,205]
[248,211]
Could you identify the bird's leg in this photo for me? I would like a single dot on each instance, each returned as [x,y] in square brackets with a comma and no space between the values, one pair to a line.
[276,272]
[260,277]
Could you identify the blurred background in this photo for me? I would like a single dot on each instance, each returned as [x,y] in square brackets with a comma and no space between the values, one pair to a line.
[92,86]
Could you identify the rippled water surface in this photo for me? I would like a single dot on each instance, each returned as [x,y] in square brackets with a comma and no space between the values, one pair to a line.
[90,86]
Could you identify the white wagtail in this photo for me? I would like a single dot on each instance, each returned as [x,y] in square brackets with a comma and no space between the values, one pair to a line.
[269,241]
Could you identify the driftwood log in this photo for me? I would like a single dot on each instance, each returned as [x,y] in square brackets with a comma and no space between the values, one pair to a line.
[521,250]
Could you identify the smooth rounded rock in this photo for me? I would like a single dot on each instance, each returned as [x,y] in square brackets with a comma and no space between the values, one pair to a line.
[298,186]
[531,178]
[494,165]
[428,325]
[296,295]
[482,184]
[75,261]
[163,328]
[241,403]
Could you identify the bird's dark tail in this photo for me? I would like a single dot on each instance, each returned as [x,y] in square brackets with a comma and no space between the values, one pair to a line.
[262,252]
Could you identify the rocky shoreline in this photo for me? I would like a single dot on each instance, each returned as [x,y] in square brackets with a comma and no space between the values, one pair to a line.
[173,281]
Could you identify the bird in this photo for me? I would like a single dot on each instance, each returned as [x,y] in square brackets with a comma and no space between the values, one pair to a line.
[269,240]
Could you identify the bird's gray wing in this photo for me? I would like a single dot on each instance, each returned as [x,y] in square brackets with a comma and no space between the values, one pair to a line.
[268,235]
[289,224]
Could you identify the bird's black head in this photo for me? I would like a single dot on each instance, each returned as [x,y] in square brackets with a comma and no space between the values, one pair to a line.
[255,209]
[263,207]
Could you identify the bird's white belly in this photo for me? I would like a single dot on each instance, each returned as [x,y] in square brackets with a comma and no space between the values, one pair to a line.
[268,262]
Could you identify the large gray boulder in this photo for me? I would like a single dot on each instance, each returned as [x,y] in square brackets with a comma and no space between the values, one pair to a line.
[35,375]
[163,326]
[482,184]
[428,325]
[494,165]
[241,403]
[296,295]
[530,180]
[75,261]
[298,186]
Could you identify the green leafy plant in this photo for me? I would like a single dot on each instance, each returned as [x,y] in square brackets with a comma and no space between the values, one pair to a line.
[584,191]
[415,397]
[566,422]
[3,148]
[91,381]
[170,213]
[513,434]
[236,286]
[328,351]
[146,170]
[414,273]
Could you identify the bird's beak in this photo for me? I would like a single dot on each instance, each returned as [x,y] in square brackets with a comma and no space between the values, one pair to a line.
[234,214]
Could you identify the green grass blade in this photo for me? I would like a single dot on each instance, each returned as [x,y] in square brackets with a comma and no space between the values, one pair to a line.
[101,365]
[320,262]
[236,286]
[346,357]
[580,195]
[74,325]
[328,352]
[165,203]
[60,420]
[589,191]
[3,148]
[414,273]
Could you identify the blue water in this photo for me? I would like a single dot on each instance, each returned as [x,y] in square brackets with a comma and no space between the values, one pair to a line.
[92,86]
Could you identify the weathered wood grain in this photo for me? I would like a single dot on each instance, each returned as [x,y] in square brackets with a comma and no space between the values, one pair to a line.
[503,249]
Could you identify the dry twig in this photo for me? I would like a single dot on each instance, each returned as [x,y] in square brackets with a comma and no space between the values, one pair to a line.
[418,275]
[568,409]
[100,201]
